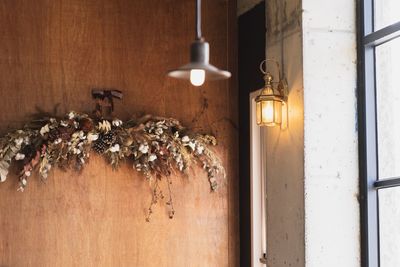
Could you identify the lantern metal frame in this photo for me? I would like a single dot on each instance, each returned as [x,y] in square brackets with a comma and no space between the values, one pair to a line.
[273,91]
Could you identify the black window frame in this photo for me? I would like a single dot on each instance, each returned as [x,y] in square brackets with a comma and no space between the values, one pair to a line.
[368,39]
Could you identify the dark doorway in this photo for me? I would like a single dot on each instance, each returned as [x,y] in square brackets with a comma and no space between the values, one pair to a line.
[251,34]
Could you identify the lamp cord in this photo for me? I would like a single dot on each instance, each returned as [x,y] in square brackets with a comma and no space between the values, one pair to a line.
[198,19]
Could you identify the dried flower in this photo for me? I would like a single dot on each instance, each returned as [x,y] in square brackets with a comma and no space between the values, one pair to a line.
[3,174]
[19,141]
[191,145]
[114,148]
[199,150]
[104,126]
[152,157]
[159,131]
[144,148]
[117,122]
[64,123]
[19,156]
[45,129]
[92,137]
[72,115]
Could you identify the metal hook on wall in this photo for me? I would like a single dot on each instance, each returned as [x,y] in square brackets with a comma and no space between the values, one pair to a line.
[104,101]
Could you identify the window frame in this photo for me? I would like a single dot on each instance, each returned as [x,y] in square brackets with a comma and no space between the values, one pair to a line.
[368,39]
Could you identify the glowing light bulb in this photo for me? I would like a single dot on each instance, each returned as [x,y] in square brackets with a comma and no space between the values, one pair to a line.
[197,77]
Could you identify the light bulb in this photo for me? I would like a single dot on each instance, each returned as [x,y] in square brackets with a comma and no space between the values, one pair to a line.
[197,77]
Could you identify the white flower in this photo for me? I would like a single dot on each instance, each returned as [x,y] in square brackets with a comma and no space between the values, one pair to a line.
[116,122]
[144,148]
[3,174]
[26,140]
[45,129]
[114,148]
[57,141]
[82,135]
[159,123]
[64,123]
[152,157]
[75,135]
[52,120]
[104,126]
[76,151]
[159,131]
[199,149]
[71,115]
[24,182]
[19,156]
[18,141]
[192,145]
[27,173]
[185,139]
[92,137]
[180,166]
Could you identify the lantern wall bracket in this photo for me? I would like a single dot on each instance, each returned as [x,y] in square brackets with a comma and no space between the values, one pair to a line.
[281,84]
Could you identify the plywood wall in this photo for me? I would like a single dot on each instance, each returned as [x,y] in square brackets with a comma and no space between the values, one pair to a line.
[52,53]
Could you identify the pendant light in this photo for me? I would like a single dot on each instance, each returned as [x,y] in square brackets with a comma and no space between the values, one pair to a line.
[199,69]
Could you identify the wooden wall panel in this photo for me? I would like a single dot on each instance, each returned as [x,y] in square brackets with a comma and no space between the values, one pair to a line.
[53,52]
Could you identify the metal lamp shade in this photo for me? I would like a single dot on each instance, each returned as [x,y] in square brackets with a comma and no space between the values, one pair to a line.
[199,59]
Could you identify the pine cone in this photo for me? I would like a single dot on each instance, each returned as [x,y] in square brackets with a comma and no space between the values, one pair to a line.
[100,147]
[109,138]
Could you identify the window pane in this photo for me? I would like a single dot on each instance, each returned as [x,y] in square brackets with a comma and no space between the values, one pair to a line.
[387,12]
[389,226]
[388,108]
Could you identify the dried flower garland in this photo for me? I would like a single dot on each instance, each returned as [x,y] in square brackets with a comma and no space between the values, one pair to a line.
[156,147]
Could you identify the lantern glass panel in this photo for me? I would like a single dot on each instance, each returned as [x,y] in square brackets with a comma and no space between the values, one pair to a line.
[278,112]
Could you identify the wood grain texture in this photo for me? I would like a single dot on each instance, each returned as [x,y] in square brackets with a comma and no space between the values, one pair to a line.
[53,52]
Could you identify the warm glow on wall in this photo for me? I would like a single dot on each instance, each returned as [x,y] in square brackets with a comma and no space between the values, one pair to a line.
[270,103]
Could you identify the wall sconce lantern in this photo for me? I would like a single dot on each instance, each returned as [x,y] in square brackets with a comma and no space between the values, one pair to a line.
[199,69]
[271,107]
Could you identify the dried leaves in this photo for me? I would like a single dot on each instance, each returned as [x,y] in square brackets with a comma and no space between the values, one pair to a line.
[155,146]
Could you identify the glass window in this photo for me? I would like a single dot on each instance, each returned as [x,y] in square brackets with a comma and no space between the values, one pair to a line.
[386,12]
[379,131]
[389,226]
[388,107]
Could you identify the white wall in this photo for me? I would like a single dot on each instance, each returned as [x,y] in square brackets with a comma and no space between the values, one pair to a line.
[330,134]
